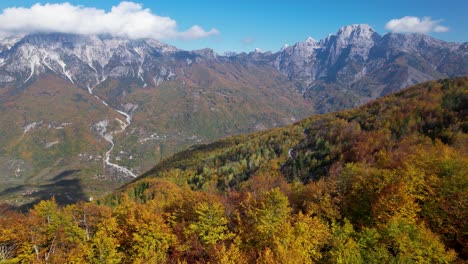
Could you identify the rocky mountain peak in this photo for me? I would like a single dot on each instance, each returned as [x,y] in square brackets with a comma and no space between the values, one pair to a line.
[356,53]
[206,53]
[161,46]
[360,28]
[358,39]
[357,33]
[310,40]
[285,46]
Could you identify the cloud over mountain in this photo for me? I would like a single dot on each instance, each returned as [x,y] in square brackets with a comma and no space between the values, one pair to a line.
[410,24]
[127,19]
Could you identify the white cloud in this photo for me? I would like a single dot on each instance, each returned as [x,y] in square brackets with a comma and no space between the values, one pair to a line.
[441,29]
[248,40]
[128,19]
[410,24]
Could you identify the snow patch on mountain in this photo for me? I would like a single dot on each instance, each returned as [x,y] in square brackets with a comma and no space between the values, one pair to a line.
[31,126]
[50,144]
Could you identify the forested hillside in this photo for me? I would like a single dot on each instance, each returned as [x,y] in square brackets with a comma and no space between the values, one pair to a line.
[383,183]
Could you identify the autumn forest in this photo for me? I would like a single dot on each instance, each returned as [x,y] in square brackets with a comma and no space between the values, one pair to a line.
[383,183]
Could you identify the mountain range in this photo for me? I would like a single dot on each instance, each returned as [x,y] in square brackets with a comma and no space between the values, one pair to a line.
[357,64]
[94,111]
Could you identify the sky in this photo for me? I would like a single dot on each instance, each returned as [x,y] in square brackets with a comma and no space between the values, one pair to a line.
[240,25]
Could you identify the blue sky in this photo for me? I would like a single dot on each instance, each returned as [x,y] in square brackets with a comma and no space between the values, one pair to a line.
[244,25]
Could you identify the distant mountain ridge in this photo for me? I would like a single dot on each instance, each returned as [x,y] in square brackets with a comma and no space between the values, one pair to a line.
[356,60]
[356,64]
